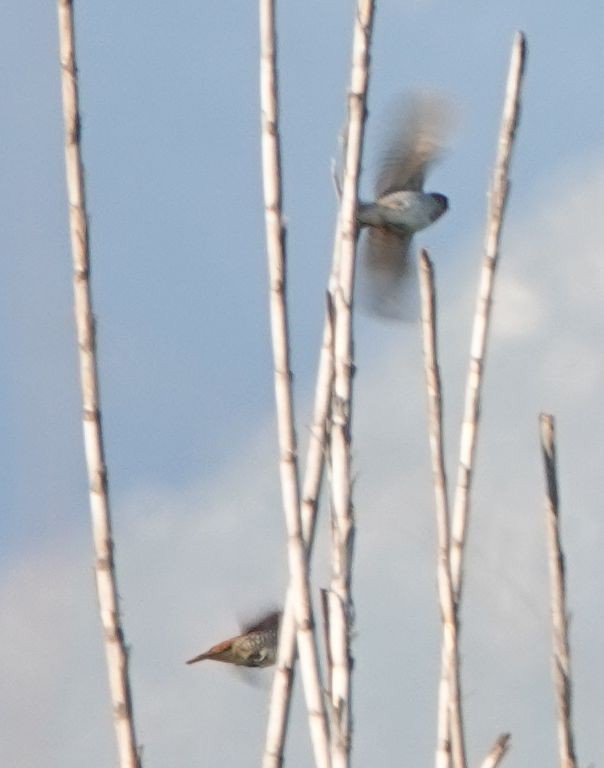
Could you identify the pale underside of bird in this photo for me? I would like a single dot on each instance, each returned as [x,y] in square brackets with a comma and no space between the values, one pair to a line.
[256,646]
[387,270]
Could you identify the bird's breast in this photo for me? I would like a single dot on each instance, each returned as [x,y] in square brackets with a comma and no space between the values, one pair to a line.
[404,211]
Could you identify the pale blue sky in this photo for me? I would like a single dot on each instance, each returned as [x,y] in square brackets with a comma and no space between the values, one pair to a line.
[169,96]
[171,144]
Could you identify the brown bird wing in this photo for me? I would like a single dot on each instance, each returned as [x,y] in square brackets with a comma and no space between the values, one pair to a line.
[417,136]
[387,287]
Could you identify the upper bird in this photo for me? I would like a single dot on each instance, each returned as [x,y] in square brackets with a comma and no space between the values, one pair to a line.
[255,647]
[401,207]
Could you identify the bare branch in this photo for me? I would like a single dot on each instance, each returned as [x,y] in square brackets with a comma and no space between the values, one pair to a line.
[313,477]
[450,718]
[498,751]
[106,583]
[336,180]
[340,598]
[561,656]
[315,460]
[299,593]
[498,199]
[325,610]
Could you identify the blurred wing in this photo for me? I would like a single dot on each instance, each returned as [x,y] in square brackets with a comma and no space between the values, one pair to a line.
[266,621]
[253,676]
[417,136]
[387,275]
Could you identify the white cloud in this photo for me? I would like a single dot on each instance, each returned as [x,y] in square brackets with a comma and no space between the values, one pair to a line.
[190,559]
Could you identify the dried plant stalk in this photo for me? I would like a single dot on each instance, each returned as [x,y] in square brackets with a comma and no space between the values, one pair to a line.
[340,598]
[317,444]
[115,644]
[283,680]
[498,199]
[275,235]
[497,752]
[450,717]
[561,655]
[325,611]
[315,459]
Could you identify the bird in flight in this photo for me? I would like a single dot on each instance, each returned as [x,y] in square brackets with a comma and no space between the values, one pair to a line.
[401,207]
[256,646]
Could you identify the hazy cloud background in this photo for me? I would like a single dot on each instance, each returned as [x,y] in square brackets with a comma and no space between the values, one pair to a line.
[171,140]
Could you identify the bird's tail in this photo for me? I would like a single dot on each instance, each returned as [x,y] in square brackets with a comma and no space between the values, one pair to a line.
[220,652]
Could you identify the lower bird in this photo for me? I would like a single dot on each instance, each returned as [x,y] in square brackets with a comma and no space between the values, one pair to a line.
[256,646]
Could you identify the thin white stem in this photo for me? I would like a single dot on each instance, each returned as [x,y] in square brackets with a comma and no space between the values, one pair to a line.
[313,476]
[498,199]
[325,611]
[275,236]
[561,656]
[115,645]
[317,444]
[340,597]
[498,751]
[450,717]
[284,674]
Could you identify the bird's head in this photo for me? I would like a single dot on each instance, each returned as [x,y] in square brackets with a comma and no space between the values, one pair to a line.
[441,205]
